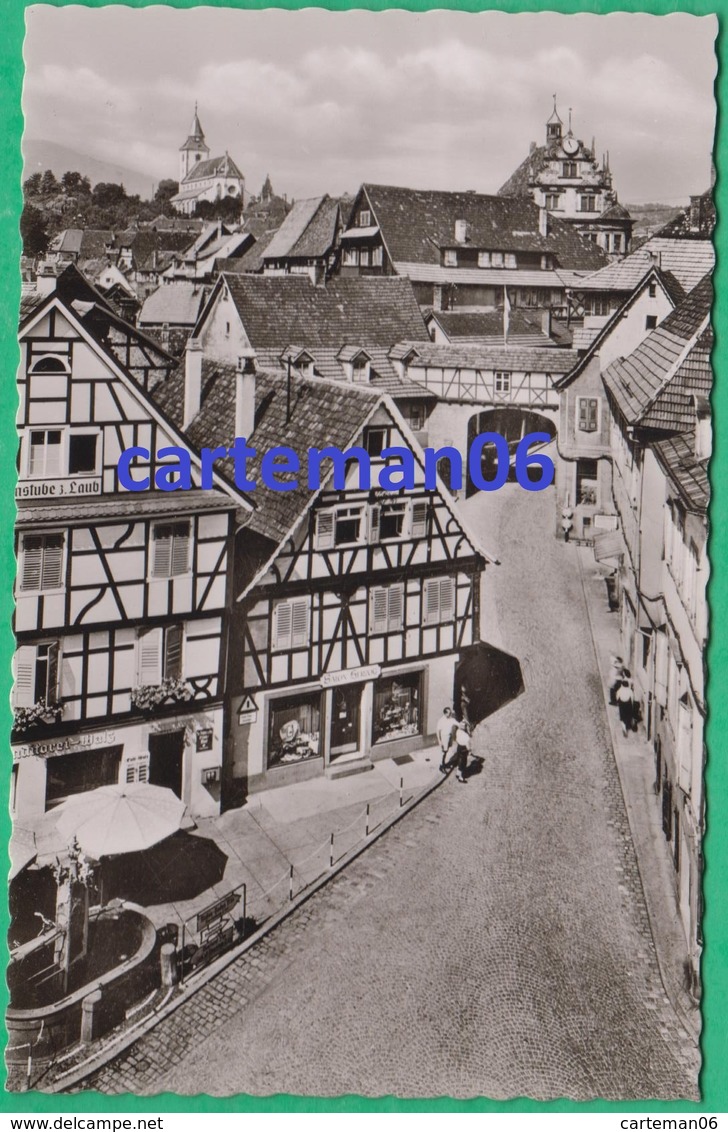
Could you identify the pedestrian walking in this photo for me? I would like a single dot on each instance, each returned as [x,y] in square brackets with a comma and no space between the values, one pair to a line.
[566,525]
[464,745]
[626,704]
[445,729]
[615,677]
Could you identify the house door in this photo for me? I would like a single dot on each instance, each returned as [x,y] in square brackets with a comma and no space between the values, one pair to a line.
[345,718]
[166,752]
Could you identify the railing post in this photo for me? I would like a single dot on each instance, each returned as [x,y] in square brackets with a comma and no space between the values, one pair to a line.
[88,1016]
[168,964]
[367,828]
[290,884]
[401,793]
[331,852]
[245,907]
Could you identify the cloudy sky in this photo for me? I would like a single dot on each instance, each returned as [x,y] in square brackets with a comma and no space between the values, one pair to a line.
[325,100]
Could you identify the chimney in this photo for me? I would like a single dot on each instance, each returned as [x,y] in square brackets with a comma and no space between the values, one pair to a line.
[546,322]
[696,210]
[543,222]
[703,428]
[532,148]
[193,380]
[656,258]
[45,280]
[245,396]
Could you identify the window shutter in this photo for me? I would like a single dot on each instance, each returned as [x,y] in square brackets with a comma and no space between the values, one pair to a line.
[419,519]
[299,622]
[24,692]
[374,516]
[592,414]
[324,530]
[32,562]
[395,619]
[583,417]
[379,609]
[432,601]
[162,552]
[53,673]
[181,550]
[173,651]
[52,576]
[661,669]
[282,620]
[447,598]
[684,745]
[150,656]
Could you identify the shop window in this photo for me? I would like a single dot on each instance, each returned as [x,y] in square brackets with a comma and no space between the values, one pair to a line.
[41,565]
[159,654]
[386,608]
[587,481]
[439,600]
[294,729]
[170,549]
[81,772]
[37,674]
[291,624]
[397,707]
[588,414]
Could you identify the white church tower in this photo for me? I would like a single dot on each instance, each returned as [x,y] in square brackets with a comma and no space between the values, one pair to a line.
[194,149]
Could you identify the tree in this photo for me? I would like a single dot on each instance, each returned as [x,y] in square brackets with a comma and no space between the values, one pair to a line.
[166,189]
[73,182]
[31,186]
[107,193]
[33,231]
[48,183]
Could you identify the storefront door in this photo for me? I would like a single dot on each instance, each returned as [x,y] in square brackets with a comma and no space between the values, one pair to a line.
[345,720]
[166,751]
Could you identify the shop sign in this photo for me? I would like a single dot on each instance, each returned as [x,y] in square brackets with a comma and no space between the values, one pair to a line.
[64,746]
[214,912]
[351,675]
[203,739]
[55,489]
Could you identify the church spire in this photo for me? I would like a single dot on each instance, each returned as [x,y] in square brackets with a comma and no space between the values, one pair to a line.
[196,131]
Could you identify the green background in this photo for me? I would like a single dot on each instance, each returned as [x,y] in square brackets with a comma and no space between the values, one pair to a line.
[714,1077]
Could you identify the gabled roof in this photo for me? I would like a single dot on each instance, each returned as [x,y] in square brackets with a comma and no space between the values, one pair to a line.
[69,240]
[592,340]
[509,358]
[308,231]
[322,413]
[213,167]
[367,312]
[416,224]
[653,387]
[687,472]
[687,260]
[519,182]
[177,303]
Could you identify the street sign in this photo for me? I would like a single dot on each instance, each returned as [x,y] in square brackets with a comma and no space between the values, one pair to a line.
[248,710]
[216,911]
[204,739]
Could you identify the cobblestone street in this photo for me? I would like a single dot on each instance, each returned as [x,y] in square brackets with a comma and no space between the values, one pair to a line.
[496,941]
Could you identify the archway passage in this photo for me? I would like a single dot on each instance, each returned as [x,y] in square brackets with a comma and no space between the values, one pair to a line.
[513,424]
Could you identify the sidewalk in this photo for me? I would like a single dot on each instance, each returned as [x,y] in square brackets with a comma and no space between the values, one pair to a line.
[635,760]
[292,827]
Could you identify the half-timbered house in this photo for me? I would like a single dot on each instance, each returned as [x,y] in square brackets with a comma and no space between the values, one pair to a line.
[352,603]
[121,597]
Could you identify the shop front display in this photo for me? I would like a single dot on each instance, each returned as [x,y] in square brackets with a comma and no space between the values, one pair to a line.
[397,707]
[81,771]
[295,729]
[345,717]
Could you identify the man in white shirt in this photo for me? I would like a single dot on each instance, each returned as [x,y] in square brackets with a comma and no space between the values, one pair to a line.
[446,725]
[462,738]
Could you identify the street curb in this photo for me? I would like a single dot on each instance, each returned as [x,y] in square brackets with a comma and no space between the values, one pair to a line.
[667,985]
[97,1061]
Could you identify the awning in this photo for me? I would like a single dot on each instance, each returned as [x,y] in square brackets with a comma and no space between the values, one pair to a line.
[608,544]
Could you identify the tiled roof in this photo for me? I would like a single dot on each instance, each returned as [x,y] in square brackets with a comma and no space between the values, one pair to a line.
[214,167]
[688,473]
[329,365]
[122,505]
[322,413]
[177,303]
[417,224]
[687,260]
[69,240]
[489,324]
[277,310]
[654,385]
[515,358]
[681,226]
[517,184]
[309,230]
